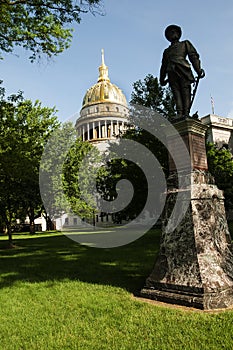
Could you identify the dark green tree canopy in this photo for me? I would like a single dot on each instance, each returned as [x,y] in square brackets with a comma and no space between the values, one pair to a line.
[151,94]
[74,173]
[220,164]
[40,26]
[24,128]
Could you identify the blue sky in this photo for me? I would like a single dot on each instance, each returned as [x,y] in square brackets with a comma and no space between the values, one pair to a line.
[132,35]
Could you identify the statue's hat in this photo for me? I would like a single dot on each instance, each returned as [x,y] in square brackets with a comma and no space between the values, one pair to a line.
[172,27]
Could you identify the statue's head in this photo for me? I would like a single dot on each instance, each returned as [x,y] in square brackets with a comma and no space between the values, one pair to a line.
[173,32]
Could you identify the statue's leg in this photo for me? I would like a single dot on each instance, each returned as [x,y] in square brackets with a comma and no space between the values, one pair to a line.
[177,94]
[186,96]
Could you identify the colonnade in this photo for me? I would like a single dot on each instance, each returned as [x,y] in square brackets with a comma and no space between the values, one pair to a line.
[101,129]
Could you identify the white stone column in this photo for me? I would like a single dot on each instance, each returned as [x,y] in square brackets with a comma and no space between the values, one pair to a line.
[106,131]
[88,132]
[94,131]
[78,132]
[118,130]
[100,131]
[111,130]
[83,133]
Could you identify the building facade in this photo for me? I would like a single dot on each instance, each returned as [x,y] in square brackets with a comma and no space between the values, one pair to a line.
[220,130]
[104,114]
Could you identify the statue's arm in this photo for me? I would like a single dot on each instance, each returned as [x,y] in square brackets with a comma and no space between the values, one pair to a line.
[194,58]
[163,70]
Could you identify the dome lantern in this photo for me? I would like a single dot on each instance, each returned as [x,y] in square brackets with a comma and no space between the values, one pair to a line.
[103,91]
[103,70]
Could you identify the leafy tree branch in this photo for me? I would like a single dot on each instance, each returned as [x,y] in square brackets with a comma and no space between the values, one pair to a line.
[41,27]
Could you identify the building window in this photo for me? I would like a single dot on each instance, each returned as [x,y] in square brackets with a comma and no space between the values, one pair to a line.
[75,221]
[66,221]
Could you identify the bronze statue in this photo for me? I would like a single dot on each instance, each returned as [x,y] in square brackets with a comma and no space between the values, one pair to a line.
[178,71]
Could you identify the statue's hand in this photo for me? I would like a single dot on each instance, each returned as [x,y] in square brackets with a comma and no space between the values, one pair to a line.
[201,74]
[163,82]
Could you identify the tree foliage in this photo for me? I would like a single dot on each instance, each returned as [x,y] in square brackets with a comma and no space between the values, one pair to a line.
[66,170]
[220,164]
[24,129]
[40,26]
[151,94]
[119,169]
[79,168]
[51,170]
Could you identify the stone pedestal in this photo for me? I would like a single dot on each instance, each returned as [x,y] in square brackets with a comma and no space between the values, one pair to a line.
[193,135]
[195,262]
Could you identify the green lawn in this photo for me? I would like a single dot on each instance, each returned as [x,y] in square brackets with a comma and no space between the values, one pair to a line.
[57,294]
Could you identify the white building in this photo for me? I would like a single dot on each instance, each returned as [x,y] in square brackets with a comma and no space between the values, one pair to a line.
[104,113]
[220,130]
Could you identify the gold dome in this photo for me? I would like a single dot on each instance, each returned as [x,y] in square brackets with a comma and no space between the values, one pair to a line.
[104,90]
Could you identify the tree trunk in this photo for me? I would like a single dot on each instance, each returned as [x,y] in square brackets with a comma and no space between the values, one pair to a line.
[46,219]
[31,215]
[32,227]
[10,237]
[49,224]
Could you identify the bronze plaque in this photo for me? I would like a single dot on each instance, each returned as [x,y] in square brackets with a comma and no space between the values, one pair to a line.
[196,148]
[198,151]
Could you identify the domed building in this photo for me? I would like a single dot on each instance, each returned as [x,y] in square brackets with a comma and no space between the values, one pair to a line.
[104,113]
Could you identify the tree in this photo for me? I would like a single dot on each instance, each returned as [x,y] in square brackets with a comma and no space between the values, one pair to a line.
[220,164]
[151,94]
[119,169]
[79,170]
[40,26]
[66,170]
[38,123]
[24,129]
[51,171]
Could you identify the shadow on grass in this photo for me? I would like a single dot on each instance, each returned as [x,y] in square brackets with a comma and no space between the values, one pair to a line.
[57,257]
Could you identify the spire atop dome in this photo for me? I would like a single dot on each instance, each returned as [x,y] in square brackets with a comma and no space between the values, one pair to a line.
[104,91]
[103,69]
[102,54]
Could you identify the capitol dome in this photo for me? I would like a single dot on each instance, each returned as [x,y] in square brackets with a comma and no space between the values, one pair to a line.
[104,90]
[105,112]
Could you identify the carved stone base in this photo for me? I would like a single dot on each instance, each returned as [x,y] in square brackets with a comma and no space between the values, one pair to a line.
[195,263]
[199,300]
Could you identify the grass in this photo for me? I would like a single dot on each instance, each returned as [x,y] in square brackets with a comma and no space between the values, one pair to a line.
[57,294]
